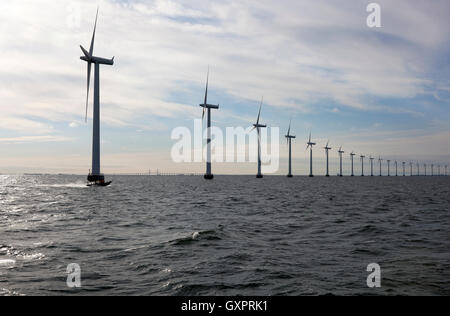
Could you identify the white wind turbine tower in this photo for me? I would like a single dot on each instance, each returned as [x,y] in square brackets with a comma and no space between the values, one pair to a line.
[381,171]
[445,170]
[95,177]
[352,155]
[404,168]
[258,127]
[389,167]
[439,170]
[432,170]
[207,108]
[340,156]
[396,168]
[425,168]
[310,146]
[362,165]
[327,149]
[418,169]
[371,165]
[411,166]
[289,138]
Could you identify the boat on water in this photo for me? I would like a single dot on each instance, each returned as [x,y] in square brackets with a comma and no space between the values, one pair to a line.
[97,180]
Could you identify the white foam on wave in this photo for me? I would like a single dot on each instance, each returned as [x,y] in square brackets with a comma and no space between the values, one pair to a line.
[7,263]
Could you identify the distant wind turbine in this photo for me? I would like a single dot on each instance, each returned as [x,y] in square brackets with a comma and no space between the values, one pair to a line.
[310,146]
[418,169]
[425,168]
[381,171]
[439,170]
[362,165]
[95,177]
[371,166]
[396,168]
[340,156]
[258,127]
[389,167]
[352,155]
[432,170]
[327,149]
[411,167]
[207,108]
[404,168]
[289,138]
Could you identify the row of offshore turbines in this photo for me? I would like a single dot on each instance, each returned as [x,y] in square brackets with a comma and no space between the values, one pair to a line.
[310,144]
[96,178]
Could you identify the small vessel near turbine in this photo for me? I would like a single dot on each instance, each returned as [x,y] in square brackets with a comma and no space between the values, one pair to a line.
[95,177]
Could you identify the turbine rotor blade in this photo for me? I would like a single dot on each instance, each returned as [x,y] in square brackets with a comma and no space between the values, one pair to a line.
[259,113]
[207,85]
[91,49]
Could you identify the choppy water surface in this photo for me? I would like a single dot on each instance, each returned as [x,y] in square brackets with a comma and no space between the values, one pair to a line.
[232,236]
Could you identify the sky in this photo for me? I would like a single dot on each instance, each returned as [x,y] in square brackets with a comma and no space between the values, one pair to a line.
[376,91]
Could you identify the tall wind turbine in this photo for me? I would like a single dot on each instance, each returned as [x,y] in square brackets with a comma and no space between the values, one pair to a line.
[404,168]
[381,171]
[425,168]
[352,155]
[389,167]
[411,166]
[445,170]
[95,177]
[371,166]
[439,170]
[258,127]
[418,169]
[362,165]
[327,149]
[207,108]
[310,146]
[432,170]
[289,139]
[340,156]
[396,168]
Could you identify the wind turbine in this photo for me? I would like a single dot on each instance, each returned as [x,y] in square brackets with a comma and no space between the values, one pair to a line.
[258,127]
[380,161]
[425,168]
[439,170]
[432,170]
[411,166]
[340,155]
[352,155]
[371,165]
[418,169]
[445,170]
[362,165]
[327,149]
[289,138]
[95,177]
[404,168]
[396,168]
[207,108]
[310,146]
[389,167]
